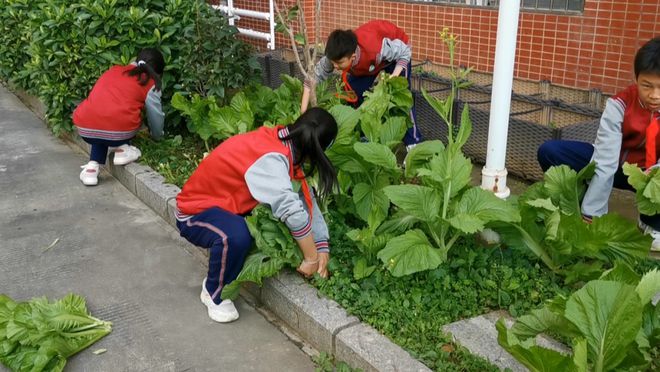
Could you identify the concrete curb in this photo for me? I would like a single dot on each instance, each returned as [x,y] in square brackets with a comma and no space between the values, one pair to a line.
[318,320]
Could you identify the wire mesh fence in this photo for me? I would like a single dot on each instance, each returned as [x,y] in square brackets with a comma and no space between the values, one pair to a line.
[539,112]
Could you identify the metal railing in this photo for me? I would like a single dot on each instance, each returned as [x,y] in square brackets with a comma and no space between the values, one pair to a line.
[546,5]
[235,14]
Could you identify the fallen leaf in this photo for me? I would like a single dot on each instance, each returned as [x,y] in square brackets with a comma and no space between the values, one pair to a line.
[447,348]
[52,244]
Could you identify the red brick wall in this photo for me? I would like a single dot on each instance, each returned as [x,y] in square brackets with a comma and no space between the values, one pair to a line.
[260,25]
[591,50]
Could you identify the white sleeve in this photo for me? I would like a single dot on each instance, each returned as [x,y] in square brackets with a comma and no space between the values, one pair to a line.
[269,182]
[607,150]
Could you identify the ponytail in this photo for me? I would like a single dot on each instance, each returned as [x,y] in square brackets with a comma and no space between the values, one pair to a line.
[149,66]
[311,134]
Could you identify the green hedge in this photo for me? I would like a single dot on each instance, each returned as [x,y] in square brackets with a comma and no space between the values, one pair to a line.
[56,49]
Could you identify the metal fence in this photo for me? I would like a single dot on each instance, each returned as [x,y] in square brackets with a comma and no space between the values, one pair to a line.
[534,118]
[544,5]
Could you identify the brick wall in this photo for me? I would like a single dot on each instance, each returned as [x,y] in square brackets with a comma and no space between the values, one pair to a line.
[591,50]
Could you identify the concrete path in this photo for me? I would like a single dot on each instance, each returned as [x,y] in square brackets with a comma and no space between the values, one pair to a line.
[130,265]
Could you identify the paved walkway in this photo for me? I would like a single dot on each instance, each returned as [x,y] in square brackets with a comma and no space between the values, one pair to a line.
[131,266]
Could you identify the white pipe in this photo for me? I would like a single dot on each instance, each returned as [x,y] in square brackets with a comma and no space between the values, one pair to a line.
[254,34]
[493,175]
[271,44]
[230,11]
[242,12]
[234,13]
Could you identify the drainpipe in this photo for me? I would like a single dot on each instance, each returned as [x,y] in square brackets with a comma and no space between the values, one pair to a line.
[493,174]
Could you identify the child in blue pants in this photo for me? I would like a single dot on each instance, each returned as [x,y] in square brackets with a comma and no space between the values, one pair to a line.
[254,168]
[362,54]
[628,132]
[112,113]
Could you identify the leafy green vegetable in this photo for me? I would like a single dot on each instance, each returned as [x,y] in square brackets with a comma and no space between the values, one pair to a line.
[552,228]
[40,336]
[275,249]
[647,188]
[610,323]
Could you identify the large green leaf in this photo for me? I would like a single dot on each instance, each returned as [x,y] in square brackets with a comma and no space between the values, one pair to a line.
[647,186]
[377,154]
[241,106]
[465,129]
[621,272]
[609,315]
[257,266]
[452,172]
[478,207]
[548,318]
[636,176]
[419,201]
[344,157]
[565,188]
[532,356]
[648,286]
[393,130]
[370,204]
[347,119]
[420,155]
[615,237]
[410,253]
[398,223]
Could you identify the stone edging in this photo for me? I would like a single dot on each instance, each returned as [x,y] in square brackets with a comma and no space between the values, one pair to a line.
[319,321]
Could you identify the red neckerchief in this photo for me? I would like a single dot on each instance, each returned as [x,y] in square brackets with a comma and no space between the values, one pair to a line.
[651,135]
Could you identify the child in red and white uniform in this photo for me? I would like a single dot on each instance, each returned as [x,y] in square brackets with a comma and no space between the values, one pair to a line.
[112,113]
[375,46]
[628,132]
[250,169]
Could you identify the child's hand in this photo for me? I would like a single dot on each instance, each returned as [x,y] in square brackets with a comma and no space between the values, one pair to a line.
[308,268]
[323,264]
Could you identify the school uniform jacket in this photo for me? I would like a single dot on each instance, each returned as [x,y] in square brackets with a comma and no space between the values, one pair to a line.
[113,109]
[621,137]
[379,44]
[250,169]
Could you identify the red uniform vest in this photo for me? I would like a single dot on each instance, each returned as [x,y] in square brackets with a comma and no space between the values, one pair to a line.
[115,102]
[370,40]
[219,181]
[635,120]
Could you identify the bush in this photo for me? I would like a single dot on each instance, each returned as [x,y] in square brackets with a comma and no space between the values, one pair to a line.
[57,49]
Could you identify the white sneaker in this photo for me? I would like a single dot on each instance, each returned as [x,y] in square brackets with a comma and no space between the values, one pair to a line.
[655,234]
[125,154]
[90,174]
[223,312]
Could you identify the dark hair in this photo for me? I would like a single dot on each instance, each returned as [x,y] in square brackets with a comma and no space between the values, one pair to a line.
[647,59]
[150,65]
[341,43]
[311,134]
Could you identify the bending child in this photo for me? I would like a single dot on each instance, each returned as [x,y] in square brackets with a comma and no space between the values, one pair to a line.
[250,169]
[360,55]
[628,132]
[112,113]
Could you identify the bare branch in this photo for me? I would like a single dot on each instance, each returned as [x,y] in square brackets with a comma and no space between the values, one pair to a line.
[317,30]
[303,29]
[292,38]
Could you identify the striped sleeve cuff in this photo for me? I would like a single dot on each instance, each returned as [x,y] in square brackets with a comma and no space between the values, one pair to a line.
[322,246]
[403,63]
[302,232]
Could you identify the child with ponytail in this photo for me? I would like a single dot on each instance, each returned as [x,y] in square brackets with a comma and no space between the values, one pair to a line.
[112,113]
[254,168]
